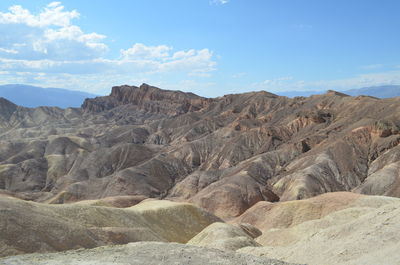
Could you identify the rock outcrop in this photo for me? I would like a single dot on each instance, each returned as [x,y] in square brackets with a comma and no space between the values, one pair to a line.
[148,99]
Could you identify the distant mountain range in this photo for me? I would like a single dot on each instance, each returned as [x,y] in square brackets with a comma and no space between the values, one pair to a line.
[32,96]
[376,91]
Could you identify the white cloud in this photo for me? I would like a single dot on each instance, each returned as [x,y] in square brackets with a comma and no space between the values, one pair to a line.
[48,47]
[199,63]
[8,51]
[72,33]
[52,15]
[49,34]
[184,54]
[141,51]
[219,2]
[195,60]
[161,59]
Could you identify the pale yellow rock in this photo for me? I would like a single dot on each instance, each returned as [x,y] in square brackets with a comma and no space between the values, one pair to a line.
[366,232]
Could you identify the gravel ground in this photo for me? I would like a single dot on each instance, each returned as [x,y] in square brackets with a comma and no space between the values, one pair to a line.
[149,253]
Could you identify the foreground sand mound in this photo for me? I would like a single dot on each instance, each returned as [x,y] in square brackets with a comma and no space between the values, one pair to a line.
[114,201]
[365,232]
[27,227]
[265,215]
[223,236]
[149,253]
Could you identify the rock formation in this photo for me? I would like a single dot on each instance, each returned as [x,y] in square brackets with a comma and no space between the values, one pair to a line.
[223,154]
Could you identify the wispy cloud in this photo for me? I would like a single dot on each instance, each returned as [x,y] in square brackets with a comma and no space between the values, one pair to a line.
[357,81]
[362,80]
[219,2]
[372,66]
[3,50]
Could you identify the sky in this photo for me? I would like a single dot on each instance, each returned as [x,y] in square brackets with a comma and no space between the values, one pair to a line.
[209,47]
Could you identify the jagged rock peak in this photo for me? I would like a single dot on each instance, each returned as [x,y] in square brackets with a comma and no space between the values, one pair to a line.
[149,99]
[133,94]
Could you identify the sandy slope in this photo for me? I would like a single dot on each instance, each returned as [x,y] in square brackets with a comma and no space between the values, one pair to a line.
[27,227]
[366,231]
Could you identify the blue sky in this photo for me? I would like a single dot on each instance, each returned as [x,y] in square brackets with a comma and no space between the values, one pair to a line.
[209,47]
